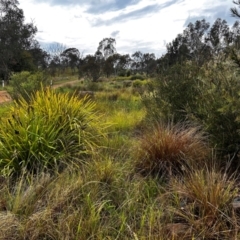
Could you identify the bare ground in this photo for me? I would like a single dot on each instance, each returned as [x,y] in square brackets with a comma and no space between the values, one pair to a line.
[5,97]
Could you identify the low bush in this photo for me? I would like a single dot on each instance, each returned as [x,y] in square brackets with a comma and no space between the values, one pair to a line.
[94,86]
[25,83]
[207,95]
[127,83]
[137,83]
[170,149]
[51,131]
[137,77]
[203,204]
[172,92]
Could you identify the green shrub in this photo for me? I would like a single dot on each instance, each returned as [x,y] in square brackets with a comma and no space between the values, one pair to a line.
[51,131]
[128,73]
[127,83]
[172,92]
[139,83]
[217,106]
[207,95]
[122,73]
[95,86]
[120,78]
[137,76]
[25,83]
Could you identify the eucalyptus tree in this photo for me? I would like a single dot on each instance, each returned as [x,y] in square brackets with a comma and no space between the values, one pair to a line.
[16,39]
[137,65]
[234,10]
[107,47]
[92,67]
[71,57]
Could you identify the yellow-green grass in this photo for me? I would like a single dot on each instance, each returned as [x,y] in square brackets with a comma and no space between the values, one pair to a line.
[4,108]
[101,201]
[125,121]
[122,109]
[107,199]
[44,133]
[64,79]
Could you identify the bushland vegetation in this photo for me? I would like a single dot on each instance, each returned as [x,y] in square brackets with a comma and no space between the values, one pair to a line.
[143,148]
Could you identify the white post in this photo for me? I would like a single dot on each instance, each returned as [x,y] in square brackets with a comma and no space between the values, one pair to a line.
[3,83]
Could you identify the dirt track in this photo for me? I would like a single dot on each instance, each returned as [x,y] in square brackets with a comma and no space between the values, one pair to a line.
[66,83]
[5,97]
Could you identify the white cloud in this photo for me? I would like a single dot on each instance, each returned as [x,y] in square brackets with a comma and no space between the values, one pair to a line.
[155,22]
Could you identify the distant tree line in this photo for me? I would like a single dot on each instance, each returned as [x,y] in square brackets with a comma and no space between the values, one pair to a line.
[20,51]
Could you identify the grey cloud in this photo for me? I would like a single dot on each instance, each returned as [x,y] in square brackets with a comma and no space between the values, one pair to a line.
[144,47]
[210,15]
[61,2]
[83,48]
[221,12]
[193,19]
[127,16]
[96,8]
[136,14]
[115,33]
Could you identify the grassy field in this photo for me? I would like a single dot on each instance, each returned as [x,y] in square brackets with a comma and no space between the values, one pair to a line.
[144,181]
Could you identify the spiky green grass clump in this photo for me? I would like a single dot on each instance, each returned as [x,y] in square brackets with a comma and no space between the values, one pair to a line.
[170,149]
[50,131]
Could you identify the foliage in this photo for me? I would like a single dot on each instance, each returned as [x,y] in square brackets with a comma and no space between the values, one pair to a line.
[91,67]
[51,131]
[107,47]
[25,84]
[169,149]
[139,83]
[208,95]
[234,11]
[137,77]
[106,199]
[172,92]
[16,39]
[71,58]
[204,206]
[217,107]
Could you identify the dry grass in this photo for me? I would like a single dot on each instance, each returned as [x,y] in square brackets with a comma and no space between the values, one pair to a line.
[170,149]
[203,205]
[105,198]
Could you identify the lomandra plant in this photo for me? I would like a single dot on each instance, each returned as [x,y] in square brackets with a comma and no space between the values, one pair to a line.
[50,131]
[170,149]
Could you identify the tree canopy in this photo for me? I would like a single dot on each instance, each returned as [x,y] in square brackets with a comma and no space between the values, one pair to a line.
[16,39]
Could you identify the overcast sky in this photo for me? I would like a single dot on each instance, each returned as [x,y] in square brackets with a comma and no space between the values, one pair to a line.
[144,25]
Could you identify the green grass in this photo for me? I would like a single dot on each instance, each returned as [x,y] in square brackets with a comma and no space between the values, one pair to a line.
[106,198]
[4,108]
[63,79]
[50,131]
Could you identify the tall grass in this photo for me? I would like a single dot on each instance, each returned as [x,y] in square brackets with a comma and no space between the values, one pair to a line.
[205,204]
[51,131]
[170,149]
[106,198]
